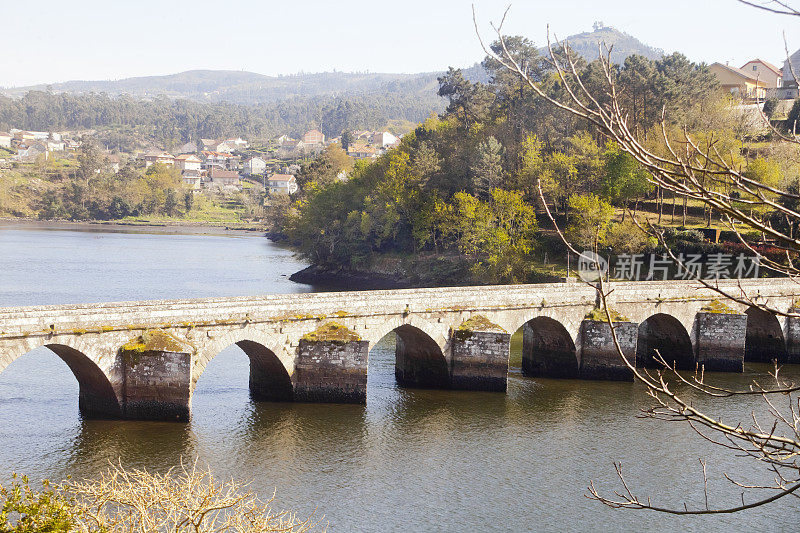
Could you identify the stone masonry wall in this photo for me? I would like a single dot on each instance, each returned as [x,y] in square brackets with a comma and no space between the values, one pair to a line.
[331,372]
[599,357]
[156,386]
[479,360]
[720,341]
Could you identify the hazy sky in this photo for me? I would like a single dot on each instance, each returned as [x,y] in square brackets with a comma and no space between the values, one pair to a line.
[59,40]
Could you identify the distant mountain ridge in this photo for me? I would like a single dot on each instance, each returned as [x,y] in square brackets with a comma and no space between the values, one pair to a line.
[242,87]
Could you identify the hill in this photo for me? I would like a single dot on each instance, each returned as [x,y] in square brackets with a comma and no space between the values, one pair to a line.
[622,45]
[241,87]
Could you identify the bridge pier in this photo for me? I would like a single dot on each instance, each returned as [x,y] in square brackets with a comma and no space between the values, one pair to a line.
[479,359]
[331,371]
[600,359]
[156,385]
[793,337]
[720,341]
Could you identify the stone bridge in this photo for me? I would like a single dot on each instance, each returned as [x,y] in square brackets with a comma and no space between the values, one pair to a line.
[142,360]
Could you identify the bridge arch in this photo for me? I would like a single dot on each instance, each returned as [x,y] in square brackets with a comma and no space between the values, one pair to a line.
[667,335]
[764,340]
[420,352]
[271,367]
[97,397]
[548,349]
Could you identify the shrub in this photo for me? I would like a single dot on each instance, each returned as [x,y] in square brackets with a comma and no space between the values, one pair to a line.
[183,499]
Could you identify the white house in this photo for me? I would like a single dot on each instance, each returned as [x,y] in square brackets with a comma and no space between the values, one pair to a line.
[165,158]
[383,139]
[5,139]
[254,166]
[224,179]
[192,178]
[282,184]
[188,162]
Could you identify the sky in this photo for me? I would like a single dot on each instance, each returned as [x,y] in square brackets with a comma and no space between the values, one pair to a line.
[56,40]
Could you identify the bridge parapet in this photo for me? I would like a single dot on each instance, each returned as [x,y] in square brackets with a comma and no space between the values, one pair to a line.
[557,340]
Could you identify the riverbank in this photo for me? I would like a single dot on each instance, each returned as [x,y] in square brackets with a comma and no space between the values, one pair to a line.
[405,273]
[170,227]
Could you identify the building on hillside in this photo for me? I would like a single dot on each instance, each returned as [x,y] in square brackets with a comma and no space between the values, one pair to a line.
[55,146]
[764,71]
[313,137]
[237,144]
[383,139]
[224,179]
[362,151]
[30,150]
[791,66]
[114,163]
[5,139]
[34,135]
[164,158]
[282,184]
[739,82]
[223,160]
[188,162]
[254,166]
[208,145]
[188,148]
[193,179]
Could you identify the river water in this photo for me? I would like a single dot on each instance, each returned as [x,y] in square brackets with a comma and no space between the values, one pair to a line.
[411,460]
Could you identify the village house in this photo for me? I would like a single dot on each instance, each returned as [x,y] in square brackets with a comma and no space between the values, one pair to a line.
[55,146]
[313,137]
[224,179]
[114,163]
[383,139]
[5,139]
[188,162]
[30,150]
[791,66]
[254,166]
[282,184]
[221,160]
[193,179]
[164,158]
[739,82]
[362,151]
[764,71]
[226,145]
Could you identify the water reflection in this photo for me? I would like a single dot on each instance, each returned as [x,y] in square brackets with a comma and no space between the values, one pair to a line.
[419,460]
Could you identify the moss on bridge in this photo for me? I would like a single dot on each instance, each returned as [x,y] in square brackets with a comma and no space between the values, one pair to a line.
[598,314]
[332,332]
[717,307]
[152,341]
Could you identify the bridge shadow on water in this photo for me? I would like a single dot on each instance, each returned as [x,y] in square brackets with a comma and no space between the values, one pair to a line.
[412,458]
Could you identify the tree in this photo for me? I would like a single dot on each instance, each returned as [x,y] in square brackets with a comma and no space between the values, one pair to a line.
[498,232]
[624,179]
[488,167]
[589,220]
[703,172]
[170,203]
[347,139]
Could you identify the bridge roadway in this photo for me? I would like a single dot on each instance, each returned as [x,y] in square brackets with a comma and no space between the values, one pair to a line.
[142,360]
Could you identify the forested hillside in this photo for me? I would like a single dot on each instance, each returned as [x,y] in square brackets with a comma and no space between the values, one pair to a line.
[240,87]
[167,122]
[462,188]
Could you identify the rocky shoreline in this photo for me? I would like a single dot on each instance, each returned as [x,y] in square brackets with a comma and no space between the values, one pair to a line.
[349,279]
